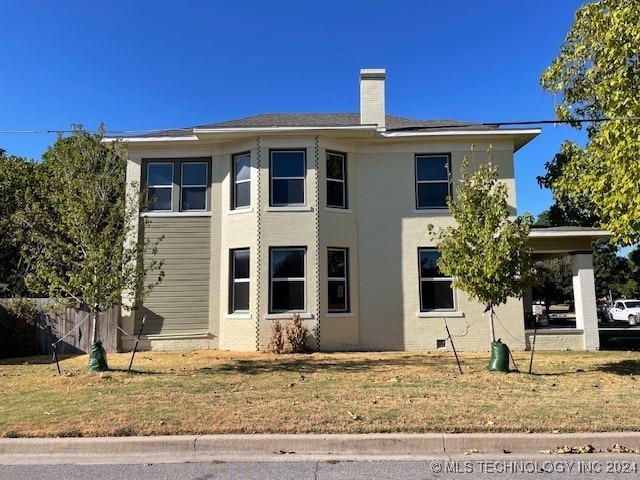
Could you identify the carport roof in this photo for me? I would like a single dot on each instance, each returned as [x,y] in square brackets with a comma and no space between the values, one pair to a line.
[548,242]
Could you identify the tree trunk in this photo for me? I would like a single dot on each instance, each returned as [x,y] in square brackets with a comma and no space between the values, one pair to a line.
[94,333]
[491,324]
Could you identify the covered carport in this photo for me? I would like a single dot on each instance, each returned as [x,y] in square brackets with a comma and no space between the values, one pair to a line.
[550,242]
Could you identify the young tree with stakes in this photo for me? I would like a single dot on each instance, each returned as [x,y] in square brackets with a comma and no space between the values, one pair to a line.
[487,251]
[80,248]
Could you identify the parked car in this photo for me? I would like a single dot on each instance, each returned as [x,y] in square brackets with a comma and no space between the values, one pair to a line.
[626,310]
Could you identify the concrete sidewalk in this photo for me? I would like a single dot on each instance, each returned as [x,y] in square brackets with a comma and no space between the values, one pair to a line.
[196,448]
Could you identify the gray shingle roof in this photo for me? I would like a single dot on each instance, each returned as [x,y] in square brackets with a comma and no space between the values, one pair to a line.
[319,120]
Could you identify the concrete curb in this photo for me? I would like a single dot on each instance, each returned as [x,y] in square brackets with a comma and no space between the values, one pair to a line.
[209,446]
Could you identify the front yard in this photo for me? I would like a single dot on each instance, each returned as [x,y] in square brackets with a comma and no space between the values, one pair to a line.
[208,392]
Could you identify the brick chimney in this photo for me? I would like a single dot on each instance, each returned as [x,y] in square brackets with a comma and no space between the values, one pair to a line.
[372,109]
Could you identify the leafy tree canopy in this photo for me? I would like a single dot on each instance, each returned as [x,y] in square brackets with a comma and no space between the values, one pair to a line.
[18,185]
[597,75]
[78,246]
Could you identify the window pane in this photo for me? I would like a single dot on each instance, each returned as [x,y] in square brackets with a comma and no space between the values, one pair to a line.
[436,295]
[287,263]
[335,194]
[287,295]
[288,164]
[432,168]
[243,167]
[288,192]
[337,263]
[428,266]
[432,195]
[159,198]
[337,295]
[243,194]
[241,296]
[194,198]
[160,174]
[241,264]
[194,174]
[335,166]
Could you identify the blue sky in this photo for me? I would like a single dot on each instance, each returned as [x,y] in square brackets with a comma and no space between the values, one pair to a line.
[137,65]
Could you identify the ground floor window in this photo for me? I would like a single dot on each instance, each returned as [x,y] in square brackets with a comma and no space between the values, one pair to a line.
[239,301]
[287,279]
[338,280]
[435,288]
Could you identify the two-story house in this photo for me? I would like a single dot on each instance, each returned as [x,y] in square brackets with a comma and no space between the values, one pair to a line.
[324,215]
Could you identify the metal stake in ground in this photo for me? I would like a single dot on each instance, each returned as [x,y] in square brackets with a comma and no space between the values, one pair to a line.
[533,344]
[54,348]
[452,345]
[135,346]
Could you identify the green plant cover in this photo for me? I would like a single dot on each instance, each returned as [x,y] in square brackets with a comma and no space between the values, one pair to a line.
[499,361]
[98,358]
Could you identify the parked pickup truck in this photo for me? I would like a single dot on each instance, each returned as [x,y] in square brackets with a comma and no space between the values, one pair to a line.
[626,311]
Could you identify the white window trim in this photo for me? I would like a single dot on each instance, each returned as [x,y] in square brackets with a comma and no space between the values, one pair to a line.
[339,210]
[286,208]
[418,182]
[344,279]
[167,213]
[440,314]
[205,185]
[241,210]
[287,279]
[272,177]
[288,315]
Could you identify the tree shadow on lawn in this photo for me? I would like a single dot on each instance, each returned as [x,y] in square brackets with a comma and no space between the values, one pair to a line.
[37,360]
[624,367]
[307,364]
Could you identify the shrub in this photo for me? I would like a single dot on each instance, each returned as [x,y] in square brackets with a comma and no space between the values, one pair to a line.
[296,334]
[18,329]
[276,344]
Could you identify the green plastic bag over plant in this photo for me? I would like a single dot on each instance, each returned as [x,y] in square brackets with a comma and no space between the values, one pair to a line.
[98,358]
[499,357]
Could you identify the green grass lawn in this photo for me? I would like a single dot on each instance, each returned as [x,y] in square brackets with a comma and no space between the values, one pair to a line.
[207,392]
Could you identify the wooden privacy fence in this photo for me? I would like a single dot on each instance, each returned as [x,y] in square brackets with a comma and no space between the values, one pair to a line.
[72,328]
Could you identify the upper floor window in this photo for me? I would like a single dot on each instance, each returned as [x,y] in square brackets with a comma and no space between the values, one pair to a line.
[241,180]
[178,185]
[193,186]
[160,186]
[287,175]
[435,287]
[432,181]
[287,279]
[336,180]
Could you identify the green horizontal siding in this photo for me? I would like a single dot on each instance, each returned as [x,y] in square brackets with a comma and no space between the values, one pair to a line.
[180,303]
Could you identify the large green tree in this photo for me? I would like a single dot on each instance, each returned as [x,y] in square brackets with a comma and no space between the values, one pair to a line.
[596,76]
[487,251]
[18,186]
[80,246]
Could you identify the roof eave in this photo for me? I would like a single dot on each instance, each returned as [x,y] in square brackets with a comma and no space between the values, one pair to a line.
[520,137]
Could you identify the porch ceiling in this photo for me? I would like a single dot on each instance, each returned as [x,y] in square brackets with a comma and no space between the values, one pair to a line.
[552,242]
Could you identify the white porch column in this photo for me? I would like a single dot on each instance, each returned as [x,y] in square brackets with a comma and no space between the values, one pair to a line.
[584,295]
